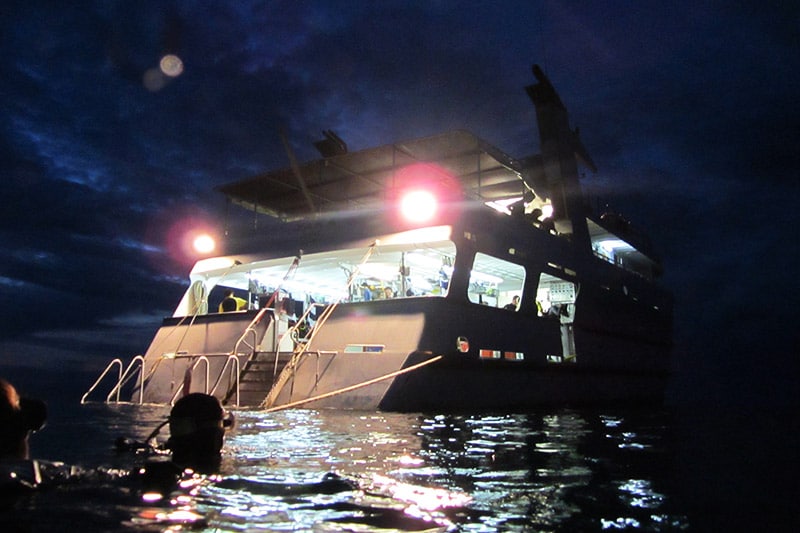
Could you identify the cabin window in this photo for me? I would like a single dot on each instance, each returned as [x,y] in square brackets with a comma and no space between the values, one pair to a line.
[495,282]
[619,251]
[555,298]
[405,270]
[409,264]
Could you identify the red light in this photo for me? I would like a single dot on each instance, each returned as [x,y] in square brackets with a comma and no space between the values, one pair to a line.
[418,206]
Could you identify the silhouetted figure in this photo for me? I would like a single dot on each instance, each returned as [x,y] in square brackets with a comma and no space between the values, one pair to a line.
[19,417]
[513,305]
[197,426]
[228,303]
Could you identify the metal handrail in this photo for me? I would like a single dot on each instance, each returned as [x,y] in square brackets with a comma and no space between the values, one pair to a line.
[303,348]
[102,375]
[251,329]
[190,370]
[303,318]
[123,379]
[234,370]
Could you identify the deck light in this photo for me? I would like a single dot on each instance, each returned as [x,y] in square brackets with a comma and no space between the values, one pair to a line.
[204,244]
[418,206]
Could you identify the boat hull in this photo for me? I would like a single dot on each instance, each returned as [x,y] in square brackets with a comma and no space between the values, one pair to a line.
[511,362]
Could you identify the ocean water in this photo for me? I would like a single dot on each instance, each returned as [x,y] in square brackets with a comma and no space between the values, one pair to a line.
[558,469]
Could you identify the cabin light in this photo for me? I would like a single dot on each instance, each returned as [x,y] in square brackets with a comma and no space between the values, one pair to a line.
[383,271]
[547,211]
[207,266]
[612,245]
[488,278]
[502,205]
[417,236]
[418,206]
[423,261]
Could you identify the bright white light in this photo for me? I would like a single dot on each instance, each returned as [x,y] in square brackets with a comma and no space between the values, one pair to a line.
[417,236]
[204,244]
[151,496]
[207,266]
[547,210]
[502,205]
[488,278]
[611,245]
[418,206]
[384,271]
[423,261]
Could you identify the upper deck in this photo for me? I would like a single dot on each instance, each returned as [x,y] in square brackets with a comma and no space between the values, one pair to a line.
[457,164]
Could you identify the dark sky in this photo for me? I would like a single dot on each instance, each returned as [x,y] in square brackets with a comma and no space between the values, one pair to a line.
[689,109]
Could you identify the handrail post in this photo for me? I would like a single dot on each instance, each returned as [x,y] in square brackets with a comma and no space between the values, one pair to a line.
[117,388]
[233,360]
[251,329]
[205,360]
[108,368]
[141,380]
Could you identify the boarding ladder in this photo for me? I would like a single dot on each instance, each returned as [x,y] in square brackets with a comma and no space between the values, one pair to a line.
[302,346]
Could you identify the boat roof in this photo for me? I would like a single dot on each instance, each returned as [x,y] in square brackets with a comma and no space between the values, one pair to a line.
[365,179]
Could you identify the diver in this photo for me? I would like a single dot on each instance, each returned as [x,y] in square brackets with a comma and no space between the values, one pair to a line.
[197,424]
[19,418]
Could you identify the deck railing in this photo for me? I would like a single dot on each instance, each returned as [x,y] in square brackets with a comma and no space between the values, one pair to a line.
[122,379]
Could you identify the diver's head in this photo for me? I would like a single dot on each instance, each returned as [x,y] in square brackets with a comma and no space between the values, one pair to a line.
[197,425]
[18,417]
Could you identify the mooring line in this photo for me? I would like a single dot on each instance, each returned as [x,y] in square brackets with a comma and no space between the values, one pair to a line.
[354,387]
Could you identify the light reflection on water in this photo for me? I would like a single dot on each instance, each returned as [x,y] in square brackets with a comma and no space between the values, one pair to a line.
[552,471]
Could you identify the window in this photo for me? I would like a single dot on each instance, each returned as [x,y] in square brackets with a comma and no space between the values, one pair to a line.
[495,282]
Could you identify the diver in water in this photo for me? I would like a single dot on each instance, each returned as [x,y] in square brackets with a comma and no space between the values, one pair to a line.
[19,417]
[197,425]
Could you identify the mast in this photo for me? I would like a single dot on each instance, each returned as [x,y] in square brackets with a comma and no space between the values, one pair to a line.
[561,148]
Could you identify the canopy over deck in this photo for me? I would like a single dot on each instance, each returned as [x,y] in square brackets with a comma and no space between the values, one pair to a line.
[367,178]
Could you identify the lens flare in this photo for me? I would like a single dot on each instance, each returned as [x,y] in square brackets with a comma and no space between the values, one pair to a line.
[204,244]
[171,65]
[418,206]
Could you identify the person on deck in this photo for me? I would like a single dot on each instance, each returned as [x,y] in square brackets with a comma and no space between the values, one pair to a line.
[231,303]
[513,305]
[366,292]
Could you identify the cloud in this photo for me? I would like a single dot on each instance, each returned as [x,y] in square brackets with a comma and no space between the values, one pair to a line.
[689,110]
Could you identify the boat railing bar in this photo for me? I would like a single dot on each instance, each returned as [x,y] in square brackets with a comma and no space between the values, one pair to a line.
[232,360]
[251,328]
[187,355]
[123,379]
[293,330]
[108,368]
[189,372]
[356,386]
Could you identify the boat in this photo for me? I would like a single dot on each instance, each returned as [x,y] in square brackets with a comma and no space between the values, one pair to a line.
[436,273]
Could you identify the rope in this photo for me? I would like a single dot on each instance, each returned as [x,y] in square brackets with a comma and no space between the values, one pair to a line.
[354,387]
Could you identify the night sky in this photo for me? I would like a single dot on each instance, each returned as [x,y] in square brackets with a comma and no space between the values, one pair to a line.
[689,109]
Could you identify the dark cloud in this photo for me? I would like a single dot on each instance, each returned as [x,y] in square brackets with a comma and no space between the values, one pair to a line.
[688,109]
